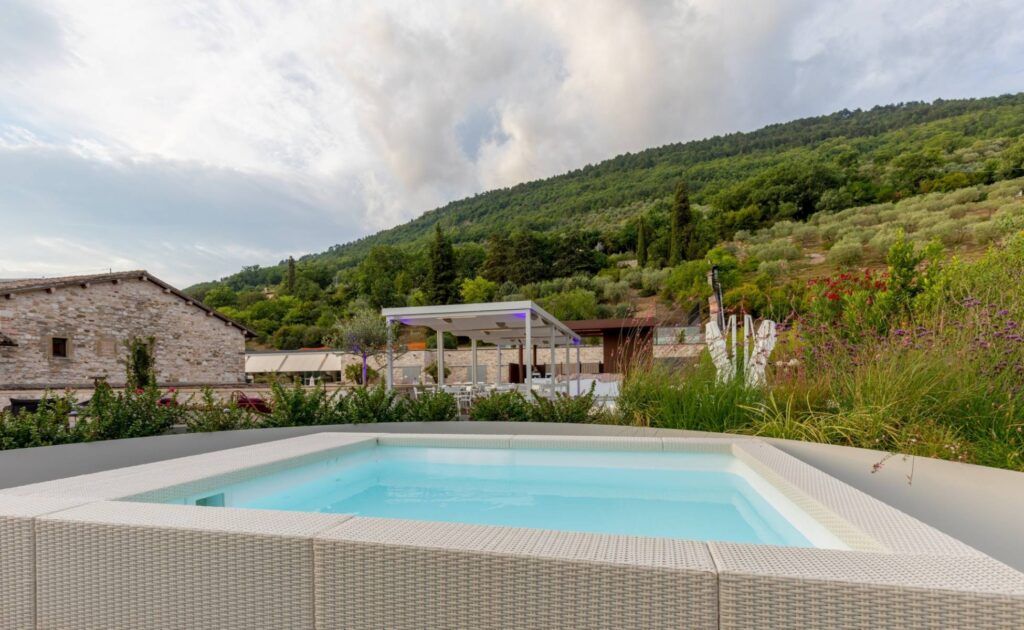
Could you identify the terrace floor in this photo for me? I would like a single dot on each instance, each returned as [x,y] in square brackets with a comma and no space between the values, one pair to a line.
[980,506]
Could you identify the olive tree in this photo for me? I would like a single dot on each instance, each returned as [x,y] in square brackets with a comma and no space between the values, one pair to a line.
[365,335]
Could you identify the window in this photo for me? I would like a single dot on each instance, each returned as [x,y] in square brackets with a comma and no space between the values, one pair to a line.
[59,347]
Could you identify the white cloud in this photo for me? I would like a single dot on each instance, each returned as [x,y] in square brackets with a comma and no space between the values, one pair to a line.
[201,135]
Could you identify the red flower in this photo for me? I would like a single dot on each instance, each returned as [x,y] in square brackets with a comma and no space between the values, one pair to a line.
[832,296]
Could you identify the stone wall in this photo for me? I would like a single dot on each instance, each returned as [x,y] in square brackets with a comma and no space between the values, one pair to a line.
[191,346]
[409,366]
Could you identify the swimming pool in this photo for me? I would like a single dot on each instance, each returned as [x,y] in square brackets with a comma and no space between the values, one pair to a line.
[684,495]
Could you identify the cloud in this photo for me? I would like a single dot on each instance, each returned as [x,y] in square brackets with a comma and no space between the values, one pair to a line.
[266,128]
[65,212]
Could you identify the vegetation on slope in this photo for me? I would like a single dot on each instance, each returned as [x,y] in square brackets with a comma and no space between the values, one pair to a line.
[574,229]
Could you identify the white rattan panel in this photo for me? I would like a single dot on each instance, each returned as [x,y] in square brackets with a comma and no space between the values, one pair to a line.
[384,573]
[781,587]
[140,566]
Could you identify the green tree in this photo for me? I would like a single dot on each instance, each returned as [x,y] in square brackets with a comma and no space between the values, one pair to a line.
[478,290]
[220,296]
[365,335]
[641,242]
[681,239]
[575,304]
[498,259]
[289,284]
[441,275]
[140,372]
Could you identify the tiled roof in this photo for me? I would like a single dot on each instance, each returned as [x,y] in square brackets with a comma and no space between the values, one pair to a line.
[10,287]
[28,284]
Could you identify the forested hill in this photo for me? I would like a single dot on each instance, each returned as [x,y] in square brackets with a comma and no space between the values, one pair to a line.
[708,166]
[603,195]
[541,239]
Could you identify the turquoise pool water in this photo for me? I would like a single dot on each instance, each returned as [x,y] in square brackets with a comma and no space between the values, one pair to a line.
[674,495]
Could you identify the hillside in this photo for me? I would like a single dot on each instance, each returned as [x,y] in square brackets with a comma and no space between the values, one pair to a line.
[737,184]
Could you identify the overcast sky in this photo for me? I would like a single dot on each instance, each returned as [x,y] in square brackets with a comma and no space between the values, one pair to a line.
[192,137]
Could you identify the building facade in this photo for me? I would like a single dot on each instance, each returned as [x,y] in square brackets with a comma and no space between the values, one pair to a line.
[68,332]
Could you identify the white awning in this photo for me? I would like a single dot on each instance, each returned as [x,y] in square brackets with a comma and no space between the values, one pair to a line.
[491,322]
[303,362]
[293,362]
[263,363]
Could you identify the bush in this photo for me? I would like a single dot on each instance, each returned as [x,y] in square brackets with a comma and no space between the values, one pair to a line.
[564,408]
[780,249]
[49,425]
[500,407]
[806,234]
[132,413]
[429,407]
[747,297]
[773,269]
[373,404]
[845,253]
[574,304]
[354,373]
[298,406]
[986,232]
[215,415]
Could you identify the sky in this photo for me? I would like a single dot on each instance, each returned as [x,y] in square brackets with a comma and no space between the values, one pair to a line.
[194,137]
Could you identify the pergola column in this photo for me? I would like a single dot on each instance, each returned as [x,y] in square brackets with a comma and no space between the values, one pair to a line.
[568,389]
[390,379]
[529,353]
[499,363]
[472,345]
[440,359]
[551,367]
[579,370]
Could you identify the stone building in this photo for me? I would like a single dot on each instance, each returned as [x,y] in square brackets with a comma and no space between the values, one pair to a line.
[58,333]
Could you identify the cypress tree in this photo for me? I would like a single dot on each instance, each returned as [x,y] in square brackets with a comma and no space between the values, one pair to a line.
[290,280]
[440,284]
[498,258]
[682,236]
[641,243]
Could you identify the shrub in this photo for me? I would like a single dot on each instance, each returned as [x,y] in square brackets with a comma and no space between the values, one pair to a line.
[884,239]
[500,407]
[806,234]
[131,413]
[373,404]
[564,408]
[429,407]
[354,373]
[299,406]
[780,249]
[615,292]
[747,297]
[845,253]
[985,232]
[212,414]
[431,371]
[51,424]
[574,304]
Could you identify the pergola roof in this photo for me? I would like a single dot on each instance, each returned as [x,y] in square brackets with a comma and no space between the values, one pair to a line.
[491,322]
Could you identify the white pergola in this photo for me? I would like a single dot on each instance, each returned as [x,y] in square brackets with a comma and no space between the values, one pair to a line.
[503,324]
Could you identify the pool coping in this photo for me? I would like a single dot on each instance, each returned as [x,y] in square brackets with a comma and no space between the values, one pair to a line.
[894,558]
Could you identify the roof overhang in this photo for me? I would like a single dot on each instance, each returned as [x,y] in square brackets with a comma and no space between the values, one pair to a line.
[599,327]
[499,323]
